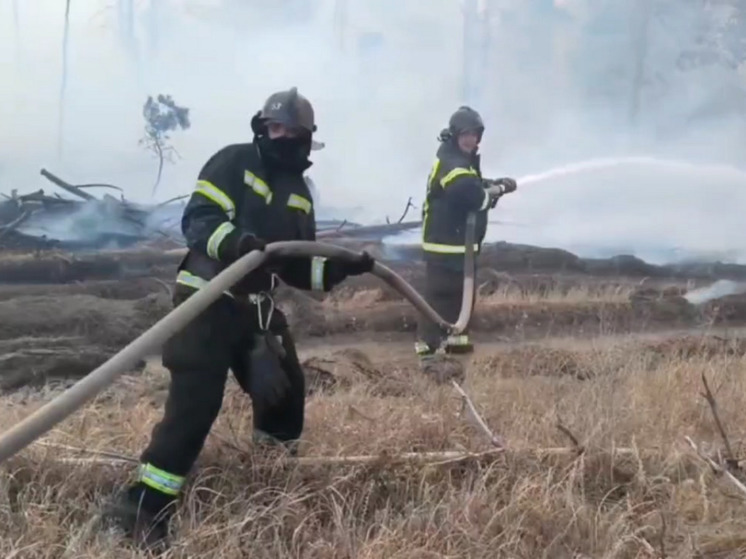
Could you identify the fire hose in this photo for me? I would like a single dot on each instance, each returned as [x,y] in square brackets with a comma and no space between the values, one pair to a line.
[53,412]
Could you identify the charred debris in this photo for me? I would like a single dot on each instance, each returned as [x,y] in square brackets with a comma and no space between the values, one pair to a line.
[80,218]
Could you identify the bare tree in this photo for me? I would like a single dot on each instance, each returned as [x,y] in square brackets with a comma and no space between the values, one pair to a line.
[162,116]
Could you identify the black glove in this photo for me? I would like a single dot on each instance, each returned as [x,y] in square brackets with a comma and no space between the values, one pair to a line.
[506,184]
[248,242]
[361,264]
[236,244]
[497,187]
[337,270]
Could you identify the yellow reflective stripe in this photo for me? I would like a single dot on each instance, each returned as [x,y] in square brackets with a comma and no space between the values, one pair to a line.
[217,237]
[213,193]
[161,480]
[422,348]
[317,273]
[446,249]
[456,173]
[486,203]
[461,340]
[258,185]
[195,282]
[299,203]
[433,172]
[187,278]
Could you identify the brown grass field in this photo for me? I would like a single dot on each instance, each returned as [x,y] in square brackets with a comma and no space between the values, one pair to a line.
[592,384]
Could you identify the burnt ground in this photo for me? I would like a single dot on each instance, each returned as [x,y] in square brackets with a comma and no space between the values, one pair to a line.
[61,315]
[614,358]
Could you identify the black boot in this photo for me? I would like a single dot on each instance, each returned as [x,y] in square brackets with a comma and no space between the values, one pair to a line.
[143,515]
[261,439]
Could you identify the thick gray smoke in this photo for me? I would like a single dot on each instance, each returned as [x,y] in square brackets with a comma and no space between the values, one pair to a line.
[557,82]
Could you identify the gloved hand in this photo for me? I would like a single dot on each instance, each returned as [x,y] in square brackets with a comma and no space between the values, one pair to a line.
[361,264]
[497,187]
[503,185]
[337,270]
[248,242]
[237,244]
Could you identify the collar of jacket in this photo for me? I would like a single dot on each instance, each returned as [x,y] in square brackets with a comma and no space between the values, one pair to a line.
[450,152]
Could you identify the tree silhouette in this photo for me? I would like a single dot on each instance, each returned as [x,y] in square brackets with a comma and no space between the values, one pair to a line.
[162,116]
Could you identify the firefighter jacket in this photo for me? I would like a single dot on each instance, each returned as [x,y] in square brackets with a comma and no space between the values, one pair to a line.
[236,194]
[454,189]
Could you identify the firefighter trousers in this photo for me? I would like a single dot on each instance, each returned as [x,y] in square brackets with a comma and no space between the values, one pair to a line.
[444,288]
[198,359]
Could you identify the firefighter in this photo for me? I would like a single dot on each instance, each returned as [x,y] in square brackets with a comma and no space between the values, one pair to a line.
[247,195]
[455,188]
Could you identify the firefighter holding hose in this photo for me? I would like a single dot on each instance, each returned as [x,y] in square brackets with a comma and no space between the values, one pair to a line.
[455,188]
[246,196]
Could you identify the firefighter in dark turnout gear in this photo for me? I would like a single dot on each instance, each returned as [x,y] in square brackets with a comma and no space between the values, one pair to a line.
[247,195]
[455,188]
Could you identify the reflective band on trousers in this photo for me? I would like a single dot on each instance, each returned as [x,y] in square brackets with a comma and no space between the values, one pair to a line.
[421,348]
[160,480]
[463,339]
[317,273]
[446,249]
[214,194]
[217,237]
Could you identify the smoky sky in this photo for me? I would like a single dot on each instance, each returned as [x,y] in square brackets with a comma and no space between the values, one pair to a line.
[561,82]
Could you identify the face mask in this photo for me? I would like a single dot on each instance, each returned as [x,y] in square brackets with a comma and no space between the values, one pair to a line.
[286,153]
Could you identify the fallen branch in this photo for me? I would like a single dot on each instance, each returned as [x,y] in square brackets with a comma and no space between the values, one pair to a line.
[101,453]
[406,209]
[716,468]
[476,418]
[404,214]
[72,189]
[731,461]
[4,229]
[412,458]
[580,449]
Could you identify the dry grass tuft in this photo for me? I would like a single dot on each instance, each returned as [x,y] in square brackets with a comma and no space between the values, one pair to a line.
[655,498]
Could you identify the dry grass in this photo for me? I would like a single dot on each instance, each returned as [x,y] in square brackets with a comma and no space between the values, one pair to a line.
[656,501]
[581,293]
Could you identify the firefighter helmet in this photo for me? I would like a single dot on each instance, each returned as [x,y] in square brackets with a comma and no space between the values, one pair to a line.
[465,119]
[289,108]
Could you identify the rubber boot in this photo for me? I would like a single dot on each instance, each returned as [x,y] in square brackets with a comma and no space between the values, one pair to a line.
[142,515]
[262,439]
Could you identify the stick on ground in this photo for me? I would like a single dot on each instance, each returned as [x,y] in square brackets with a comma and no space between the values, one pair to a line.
[496,441]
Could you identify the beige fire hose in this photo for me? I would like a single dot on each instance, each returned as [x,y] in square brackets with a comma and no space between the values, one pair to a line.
[45,418]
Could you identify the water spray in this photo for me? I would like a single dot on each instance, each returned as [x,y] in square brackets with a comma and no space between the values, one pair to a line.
[611,162]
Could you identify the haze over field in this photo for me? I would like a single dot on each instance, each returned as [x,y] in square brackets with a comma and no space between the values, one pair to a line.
[557,83]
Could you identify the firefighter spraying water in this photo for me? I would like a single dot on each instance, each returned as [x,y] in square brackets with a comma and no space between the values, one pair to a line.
[455,189]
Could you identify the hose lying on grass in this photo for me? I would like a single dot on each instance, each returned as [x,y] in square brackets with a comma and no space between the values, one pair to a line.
[45,418]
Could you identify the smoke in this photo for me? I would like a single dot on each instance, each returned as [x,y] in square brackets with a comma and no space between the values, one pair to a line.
[721,288]
[562,83]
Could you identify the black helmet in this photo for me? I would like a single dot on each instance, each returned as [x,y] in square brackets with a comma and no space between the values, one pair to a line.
[465,119]
[289,108]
